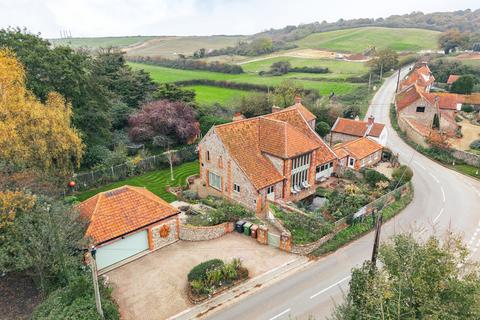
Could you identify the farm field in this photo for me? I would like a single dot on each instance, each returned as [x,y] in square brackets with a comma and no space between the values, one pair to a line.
[338,68]
[102,42]
[165,75]
[154,181]
[208,95]
[359,39]
[165,46]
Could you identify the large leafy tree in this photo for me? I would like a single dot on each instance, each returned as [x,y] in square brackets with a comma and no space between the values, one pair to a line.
[383,60]
[34,134]
[162,121]
[67,72]
[42,239]
[131,87]
[463,85]
[417,280]
[450,40]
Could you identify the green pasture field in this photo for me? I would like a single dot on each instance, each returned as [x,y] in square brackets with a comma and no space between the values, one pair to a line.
[359,39]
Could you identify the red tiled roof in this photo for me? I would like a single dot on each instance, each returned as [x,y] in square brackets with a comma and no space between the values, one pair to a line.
[473,98]
[284,134]
[295,118]
[446,101]
[241,138]
[357,128]
[309,116]
[407,97]
[359,148]
[421,76]
[452,78]
[114,213]
[283,140]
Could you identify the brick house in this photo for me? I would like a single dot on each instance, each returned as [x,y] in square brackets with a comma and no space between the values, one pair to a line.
[413,103]
[345,130]
[359,153]
[421,76]
[275,157]
[127,223]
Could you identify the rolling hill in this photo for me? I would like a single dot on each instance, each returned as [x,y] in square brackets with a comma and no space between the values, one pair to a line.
[359,39]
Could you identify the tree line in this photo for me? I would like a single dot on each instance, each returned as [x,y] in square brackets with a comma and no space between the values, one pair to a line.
[188,64]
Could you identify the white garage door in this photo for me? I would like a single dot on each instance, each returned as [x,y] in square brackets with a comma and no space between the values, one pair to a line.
[122,249]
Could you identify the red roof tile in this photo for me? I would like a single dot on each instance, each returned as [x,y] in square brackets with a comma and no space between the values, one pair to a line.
[357,128]
[359,148]
[407,96]
[452,78]
[114,213]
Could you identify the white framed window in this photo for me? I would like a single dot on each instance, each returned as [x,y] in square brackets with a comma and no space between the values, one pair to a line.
[236,188]
[362,163]
[300,167]
[270,189]
[215,181]
[351,162]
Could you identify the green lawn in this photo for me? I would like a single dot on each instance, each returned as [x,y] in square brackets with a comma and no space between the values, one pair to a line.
[155,181]
[359,39]
[164,75]
[338,68]
[210,95]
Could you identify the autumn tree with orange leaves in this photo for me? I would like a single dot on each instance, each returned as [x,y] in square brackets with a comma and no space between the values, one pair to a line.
[34,134]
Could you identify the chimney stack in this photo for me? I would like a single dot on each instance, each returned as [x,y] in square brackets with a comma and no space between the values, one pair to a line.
[298,99]
[238,116]
[371,120]
[275,109]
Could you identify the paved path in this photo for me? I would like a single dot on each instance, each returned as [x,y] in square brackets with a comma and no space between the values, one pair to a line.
[444,199]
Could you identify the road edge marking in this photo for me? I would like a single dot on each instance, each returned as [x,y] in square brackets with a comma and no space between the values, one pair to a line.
[330,287]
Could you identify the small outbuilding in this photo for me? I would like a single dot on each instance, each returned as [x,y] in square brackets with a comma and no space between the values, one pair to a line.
[127,223]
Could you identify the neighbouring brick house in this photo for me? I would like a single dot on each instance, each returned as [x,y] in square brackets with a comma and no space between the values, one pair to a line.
[278,156]
[421,76]
[345,130]
[413,103]
[359,153]
[128,222]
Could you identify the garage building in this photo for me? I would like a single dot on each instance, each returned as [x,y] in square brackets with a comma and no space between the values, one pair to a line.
[127,223]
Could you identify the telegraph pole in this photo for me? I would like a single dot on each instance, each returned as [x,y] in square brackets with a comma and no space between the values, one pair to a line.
[378,228]
[93,266]
[398,78]
[369,81]
[381,72]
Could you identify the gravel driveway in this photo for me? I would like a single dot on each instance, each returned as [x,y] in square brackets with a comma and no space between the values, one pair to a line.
[153,287]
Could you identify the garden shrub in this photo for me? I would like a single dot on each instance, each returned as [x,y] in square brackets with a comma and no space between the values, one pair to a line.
[208,276]
[76,301]
[372,177]
[403,172]
[342,204]
[199,272]
[475,145]
[467,108]
[190,195]
[304,229]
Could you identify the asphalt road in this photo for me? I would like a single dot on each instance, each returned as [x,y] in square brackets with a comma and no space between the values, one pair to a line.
[444,200]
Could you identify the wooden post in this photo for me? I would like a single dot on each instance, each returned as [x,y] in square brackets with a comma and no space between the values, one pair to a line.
[398,79]
[93,265]
[376,243]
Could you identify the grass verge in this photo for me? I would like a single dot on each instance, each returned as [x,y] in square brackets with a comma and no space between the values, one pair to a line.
[154,181]
[358,229]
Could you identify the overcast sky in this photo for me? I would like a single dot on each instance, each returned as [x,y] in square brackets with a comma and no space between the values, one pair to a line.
[197,17]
